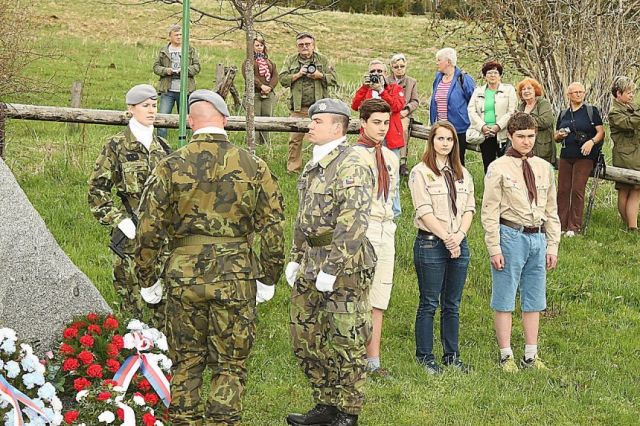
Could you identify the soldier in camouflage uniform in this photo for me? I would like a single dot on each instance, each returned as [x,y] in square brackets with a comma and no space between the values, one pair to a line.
[331,270]
[209,199]
[123,165]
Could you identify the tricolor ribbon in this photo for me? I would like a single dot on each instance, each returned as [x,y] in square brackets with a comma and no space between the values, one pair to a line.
[148,367]
[14,397]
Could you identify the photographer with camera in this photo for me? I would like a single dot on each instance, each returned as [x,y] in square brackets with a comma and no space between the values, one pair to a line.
[375,85]
[581,133]
[308,74]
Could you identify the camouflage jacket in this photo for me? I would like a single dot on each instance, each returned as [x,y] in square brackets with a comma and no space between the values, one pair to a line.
[124,165]
[211,188]
[334,197]
[162,65]
[292,65]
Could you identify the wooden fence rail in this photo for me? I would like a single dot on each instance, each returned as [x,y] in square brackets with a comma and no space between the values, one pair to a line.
[236,123]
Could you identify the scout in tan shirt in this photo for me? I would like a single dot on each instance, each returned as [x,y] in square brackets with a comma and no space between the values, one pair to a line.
[522,233]
[375,118]
[442,192]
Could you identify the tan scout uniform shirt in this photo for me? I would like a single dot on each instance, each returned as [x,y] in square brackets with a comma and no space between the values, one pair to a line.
[505,196]
[430,195]
[381,210]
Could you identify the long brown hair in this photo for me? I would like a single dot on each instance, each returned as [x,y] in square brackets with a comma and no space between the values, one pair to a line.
[429,157]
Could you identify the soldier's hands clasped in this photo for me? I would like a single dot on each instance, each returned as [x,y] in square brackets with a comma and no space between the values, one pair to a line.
[324,282]
[128,228]
[291,272]
[153,294]
[264,292]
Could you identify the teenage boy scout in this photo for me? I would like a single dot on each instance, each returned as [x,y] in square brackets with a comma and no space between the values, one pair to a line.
[522,234]
[331,270]
[308,74]
[208,199]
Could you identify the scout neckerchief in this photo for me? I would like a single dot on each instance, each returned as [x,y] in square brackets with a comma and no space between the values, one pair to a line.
[451,188]
[383,173]
[527,171]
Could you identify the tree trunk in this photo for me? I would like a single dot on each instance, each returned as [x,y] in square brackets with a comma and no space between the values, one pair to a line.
[249,88]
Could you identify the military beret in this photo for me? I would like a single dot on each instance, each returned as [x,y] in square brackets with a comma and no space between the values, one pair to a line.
[212,97]
[329,106]
[140,93]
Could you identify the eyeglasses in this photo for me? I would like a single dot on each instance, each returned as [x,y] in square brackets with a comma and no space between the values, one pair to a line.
[304,44]
[376,71]
[397,67]
[577,92]
[493,72]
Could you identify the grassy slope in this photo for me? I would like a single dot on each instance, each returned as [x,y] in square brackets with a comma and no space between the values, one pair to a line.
[589,336]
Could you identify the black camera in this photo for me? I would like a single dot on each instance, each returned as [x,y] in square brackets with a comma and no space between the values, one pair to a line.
[375,78]
[581,137]
[311,68]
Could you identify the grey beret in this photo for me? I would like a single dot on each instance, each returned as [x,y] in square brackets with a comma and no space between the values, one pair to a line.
[140,93]
[212,97]
[329,106]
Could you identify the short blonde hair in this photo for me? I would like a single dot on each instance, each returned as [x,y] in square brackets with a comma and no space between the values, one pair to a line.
[397,58]
[449,54]
[378,62]
[621,84]
[175,28]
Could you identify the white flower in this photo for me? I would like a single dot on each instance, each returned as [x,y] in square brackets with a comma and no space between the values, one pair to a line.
[138,399]
[12,368]
[161,343]
[8,418]
[106,417]
[8,333]
[135,325]
[56,404]
[25,349]
[81,395]
[152,334]
[1,363]
[31,363]
[47,391]
[9,346]
[32,379]
[129,342]
[3,401]
[158,423]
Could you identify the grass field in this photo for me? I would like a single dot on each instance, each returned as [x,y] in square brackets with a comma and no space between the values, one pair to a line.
[590,334]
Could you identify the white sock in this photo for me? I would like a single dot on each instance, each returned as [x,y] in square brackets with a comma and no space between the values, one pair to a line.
[530,351]
[505,352]
[373,363]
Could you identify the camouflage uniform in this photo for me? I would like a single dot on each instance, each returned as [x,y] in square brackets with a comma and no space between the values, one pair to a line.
[124,165]
[330,330]
[209,198]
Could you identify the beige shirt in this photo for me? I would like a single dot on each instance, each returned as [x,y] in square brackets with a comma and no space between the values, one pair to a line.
[430,195]
[505,195]
[381,210]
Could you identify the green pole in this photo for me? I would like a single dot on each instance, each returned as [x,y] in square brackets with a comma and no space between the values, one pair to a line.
[184,74]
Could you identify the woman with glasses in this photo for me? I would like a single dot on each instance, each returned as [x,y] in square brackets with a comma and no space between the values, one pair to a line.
[265,79]
[490,108]
[442,193]
[452,90]
[579,128]
[399,76]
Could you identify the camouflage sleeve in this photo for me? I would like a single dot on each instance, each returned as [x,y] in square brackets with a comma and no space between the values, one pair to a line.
[155,216]
[299,240]
[353,194]
[269,225]
[101,182]
[194,68]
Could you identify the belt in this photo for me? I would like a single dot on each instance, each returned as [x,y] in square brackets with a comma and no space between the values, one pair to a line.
[523,229]
[201,240]
[320,240]
[426,235]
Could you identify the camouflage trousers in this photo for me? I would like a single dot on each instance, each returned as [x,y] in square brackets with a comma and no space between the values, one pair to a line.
[126,285]
[329,334]
[208,325]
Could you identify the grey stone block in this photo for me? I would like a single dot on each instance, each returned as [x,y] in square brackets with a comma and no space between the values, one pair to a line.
[41,290]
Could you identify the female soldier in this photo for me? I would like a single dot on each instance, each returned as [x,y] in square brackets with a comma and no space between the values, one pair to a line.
[123,165]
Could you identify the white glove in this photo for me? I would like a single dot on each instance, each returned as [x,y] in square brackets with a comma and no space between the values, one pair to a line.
[128,228]
[264,292]
[325,282]
[291,272]
[153,294]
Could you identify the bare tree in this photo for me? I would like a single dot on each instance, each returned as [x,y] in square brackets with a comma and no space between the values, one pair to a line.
[246,15]
[559,41]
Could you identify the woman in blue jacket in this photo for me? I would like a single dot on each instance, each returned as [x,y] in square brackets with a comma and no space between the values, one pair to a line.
[452,90]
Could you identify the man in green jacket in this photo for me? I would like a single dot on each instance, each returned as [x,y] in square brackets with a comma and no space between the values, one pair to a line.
[167,67]
[309,75]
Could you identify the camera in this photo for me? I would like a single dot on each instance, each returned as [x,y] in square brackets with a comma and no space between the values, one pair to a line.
[565,130]
[311,68]
[581,138]
[375,78]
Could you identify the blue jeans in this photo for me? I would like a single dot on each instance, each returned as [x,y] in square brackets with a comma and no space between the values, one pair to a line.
[441,280]
[167,100]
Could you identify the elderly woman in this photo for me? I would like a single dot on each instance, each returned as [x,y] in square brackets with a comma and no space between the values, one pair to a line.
[265,75]
[490,108]
[624,122]
[442,192]
[122,167]
[530,93]
[452,90]
[398,63]
[580,130]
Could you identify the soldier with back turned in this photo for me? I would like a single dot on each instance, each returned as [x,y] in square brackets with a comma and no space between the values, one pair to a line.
[208,200]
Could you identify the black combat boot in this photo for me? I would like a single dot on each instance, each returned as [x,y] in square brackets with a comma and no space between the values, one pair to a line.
[404,171]
[344,419]
[320,415]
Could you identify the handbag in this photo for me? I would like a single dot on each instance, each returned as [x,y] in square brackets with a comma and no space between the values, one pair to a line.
[474,137]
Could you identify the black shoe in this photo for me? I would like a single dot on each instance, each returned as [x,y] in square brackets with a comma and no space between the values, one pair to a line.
[457,363]
[404,172]
[345,419]
[320,415]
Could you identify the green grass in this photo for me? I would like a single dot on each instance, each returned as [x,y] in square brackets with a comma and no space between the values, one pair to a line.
[589,336]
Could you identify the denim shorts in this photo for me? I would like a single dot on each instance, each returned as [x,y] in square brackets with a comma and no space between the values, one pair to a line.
[525,268]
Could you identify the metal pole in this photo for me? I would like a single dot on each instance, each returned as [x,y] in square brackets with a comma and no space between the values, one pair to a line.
[184,74]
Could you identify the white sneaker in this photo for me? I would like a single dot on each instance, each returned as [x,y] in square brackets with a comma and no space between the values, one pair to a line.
[570,234]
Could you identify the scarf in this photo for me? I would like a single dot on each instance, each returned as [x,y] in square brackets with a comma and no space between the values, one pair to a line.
[263,65]
[383,173]
[142,133]
[529,177]
[451,187]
